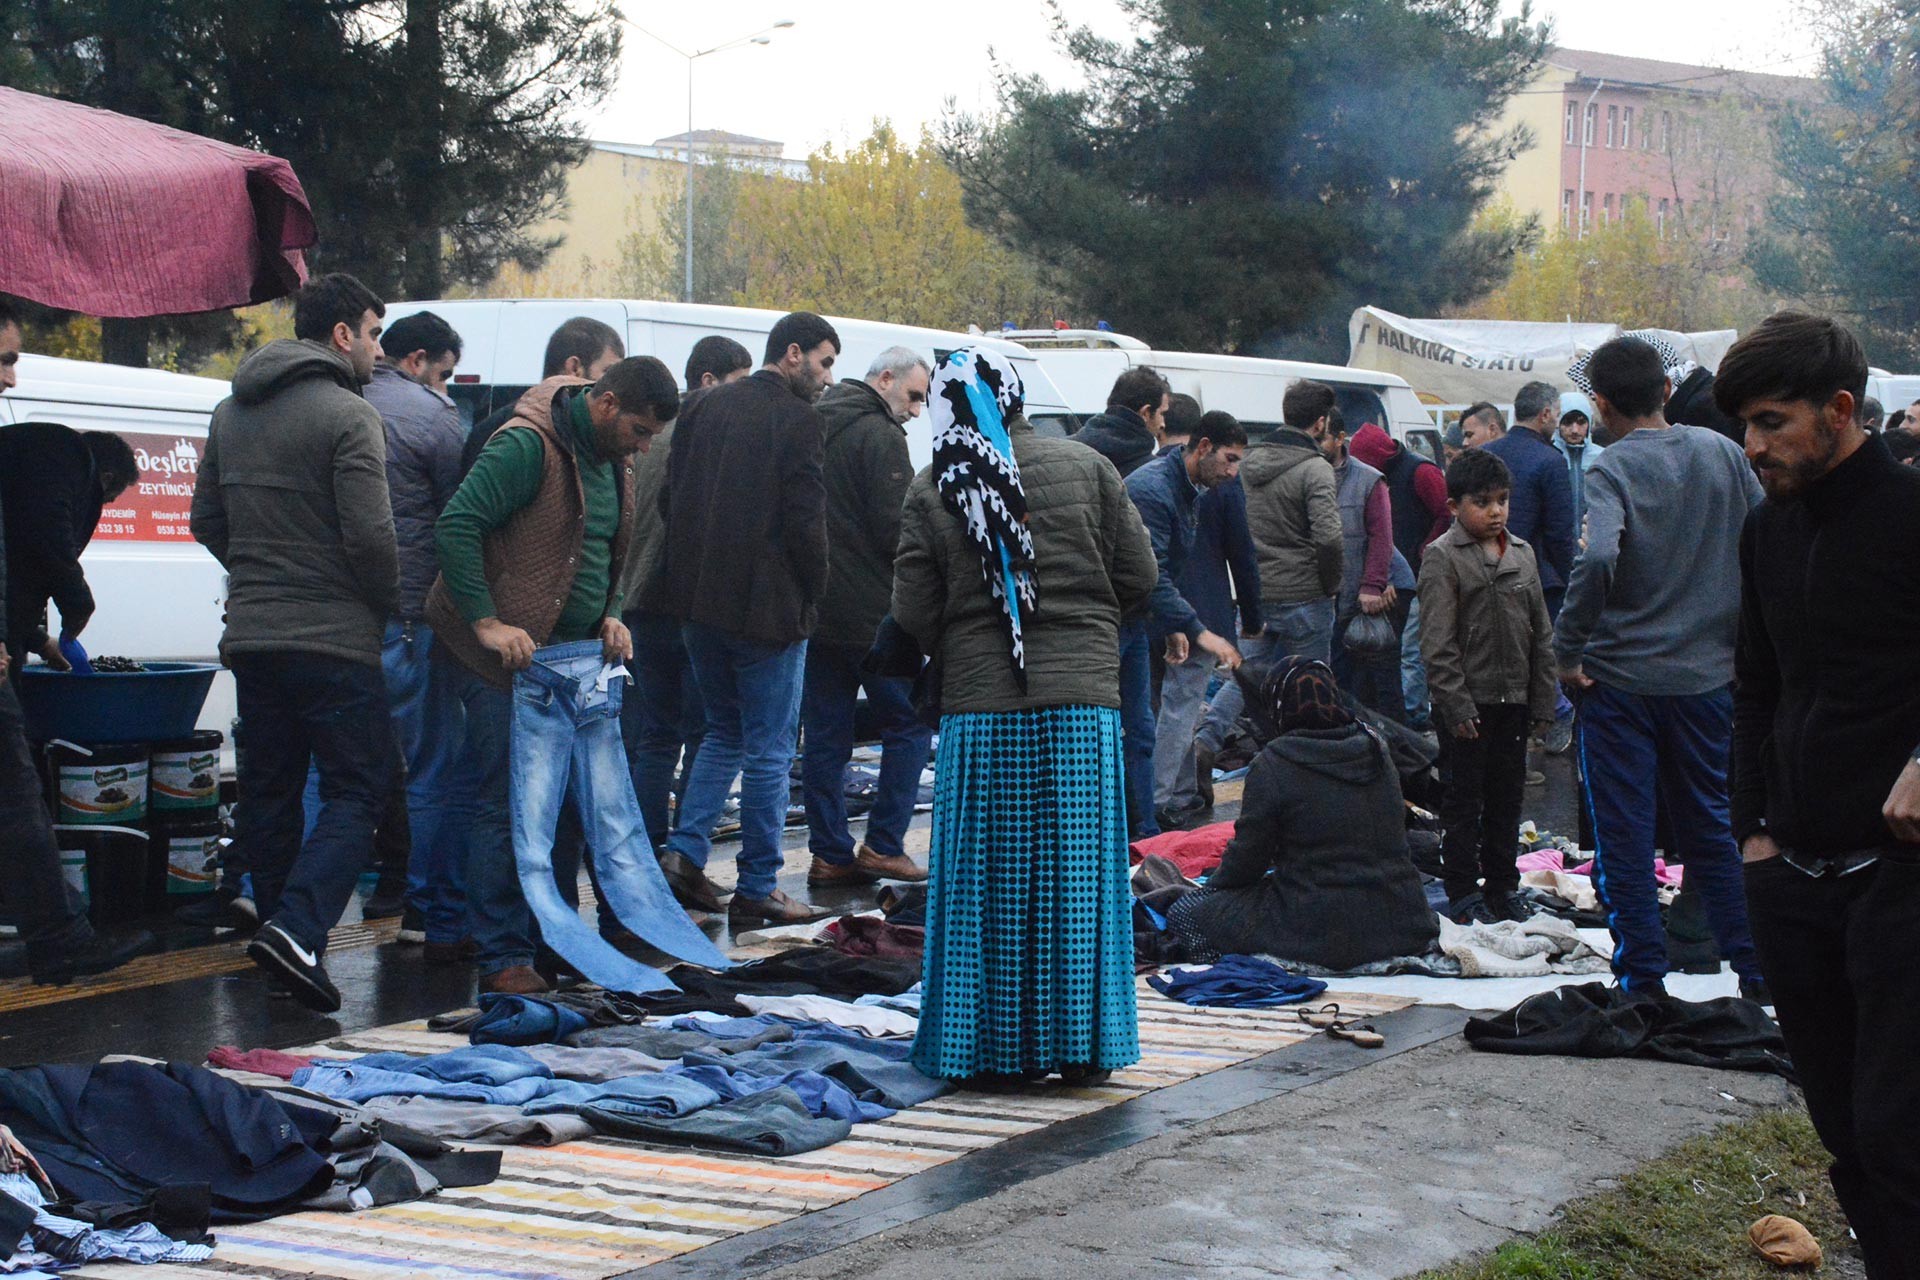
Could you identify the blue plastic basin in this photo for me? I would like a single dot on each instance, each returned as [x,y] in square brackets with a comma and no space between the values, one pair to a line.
[161,702]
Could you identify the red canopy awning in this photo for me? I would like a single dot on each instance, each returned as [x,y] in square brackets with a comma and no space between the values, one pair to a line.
[112,216]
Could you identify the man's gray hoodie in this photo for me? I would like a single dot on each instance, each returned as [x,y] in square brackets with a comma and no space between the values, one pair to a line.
[291,498]
[1294,518]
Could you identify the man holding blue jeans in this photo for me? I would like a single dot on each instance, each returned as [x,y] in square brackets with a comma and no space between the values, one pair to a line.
[1645,640]
[745,567]
[531,550]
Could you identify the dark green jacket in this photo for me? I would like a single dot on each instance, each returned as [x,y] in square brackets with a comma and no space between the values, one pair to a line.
[866,471]
[1095,564]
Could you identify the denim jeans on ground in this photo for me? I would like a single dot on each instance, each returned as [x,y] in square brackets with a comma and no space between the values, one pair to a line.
[1138,728]
[1183,699]
[566,749]
[1631,744]
[39,900]
[301,707]
[752,695]
[1413,669]
[827,706]
[428,723]
[661,718]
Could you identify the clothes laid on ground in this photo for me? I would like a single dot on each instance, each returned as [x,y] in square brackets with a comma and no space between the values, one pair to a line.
[1237,982]
[485,1073]
[1194,852]
[1595,1020]
[267,1062]
[1527,948]
[566,750]
[46,1241]
[870,936]
[541,1019]
[478,1121]
[866,1019]
[1029,962]
[797,971]
[774,1122]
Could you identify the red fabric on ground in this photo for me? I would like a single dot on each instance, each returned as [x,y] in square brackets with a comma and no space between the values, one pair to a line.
[266,1062]
[1195,852]
[112,216]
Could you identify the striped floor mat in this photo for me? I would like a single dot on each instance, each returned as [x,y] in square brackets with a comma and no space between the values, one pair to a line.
[588,1210]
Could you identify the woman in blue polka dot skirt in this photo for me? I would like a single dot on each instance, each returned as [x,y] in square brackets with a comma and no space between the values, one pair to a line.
[1018,556]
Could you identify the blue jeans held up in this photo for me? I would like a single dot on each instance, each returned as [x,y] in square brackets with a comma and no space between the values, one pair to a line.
[429,723]
[833,683]
[752,695]
[1138,728]
[299,707]
[1630,746]
[661,718]
[566,731]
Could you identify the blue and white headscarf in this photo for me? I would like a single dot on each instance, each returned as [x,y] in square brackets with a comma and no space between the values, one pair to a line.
[975,394]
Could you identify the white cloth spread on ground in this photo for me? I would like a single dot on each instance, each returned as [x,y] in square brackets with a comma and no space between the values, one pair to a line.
[869,1019]
[1519,949]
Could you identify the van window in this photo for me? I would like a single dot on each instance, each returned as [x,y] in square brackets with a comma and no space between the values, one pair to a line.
[1258,431]
[1426,444]
[1057,426]
[1360,405]
[477,401]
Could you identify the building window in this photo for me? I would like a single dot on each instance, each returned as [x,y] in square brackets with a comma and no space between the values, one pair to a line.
[1606,210]
[1566,207]
[1586,209]
[1586,135]
[1660,220]
[1613,124]
[1572,114]
[1626,126]
[1666,132]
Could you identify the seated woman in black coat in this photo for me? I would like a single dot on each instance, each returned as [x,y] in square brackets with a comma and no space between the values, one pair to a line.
[1317,871]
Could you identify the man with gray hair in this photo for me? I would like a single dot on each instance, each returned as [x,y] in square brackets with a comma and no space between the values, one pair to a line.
[866,471]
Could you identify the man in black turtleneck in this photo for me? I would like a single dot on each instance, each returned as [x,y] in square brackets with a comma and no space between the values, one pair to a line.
[1826,745]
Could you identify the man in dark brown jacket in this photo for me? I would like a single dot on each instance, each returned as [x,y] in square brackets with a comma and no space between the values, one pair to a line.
[745,566]
[531,550]
[867,471]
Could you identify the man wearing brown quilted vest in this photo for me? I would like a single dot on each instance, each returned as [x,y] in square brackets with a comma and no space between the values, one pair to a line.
[531,548]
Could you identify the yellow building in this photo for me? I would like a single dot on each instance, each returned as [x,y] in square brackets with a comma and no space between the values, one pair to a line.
[1531,182]
[622,188]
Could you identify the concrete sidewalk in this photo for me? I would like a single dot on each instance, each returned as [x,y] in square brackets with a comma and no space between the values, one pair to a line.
[1409,1163]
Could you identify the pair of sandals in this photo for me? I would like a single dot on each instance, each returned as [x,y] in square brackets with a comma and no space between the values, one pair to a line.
[1353,1028]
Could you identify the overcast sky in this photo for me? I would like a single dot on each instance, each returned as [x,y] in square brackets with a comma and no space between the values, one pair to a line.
[843,64]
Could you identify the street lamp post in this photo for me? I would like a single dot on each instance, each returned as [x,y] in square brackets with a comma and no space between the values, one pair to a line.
[762,36]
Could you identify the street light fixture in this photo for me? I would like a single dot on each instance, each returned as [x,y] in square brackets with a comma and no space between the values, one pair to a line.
[762,36]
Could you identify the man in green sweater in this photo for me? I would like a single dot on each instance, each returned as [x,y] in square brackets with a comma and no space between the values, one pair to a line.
[531,549]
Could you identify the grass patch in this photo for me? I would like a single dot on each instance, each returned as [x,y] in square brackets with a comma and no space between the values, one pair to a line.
[1685,1215]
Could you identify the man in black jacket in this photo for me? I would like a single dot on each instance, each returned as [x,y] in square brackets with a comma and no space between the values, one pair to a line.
[1826,797]
[744,568]
[867,469]
[1128,433]
[60,942]
[55,481]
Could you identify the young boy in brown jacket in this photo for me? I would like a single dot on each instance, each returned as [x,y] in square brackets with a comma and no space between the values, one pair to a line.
[1488,644]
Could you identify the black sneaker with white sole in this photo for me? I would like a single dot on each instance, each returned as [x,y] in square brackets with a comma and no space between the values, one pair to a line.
[276,951]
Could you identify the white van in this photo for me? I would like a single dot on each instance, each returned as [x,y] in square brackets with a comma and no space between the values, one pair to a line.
[1085,362]
[1893,390]
[157,592]
[505,340]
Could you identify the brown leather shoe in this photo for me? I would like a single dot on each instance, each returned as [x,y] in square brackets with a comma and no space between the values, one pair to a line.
[823,872]
[518,980]
[889,866]
[775,908]
[461,952]
[689,883]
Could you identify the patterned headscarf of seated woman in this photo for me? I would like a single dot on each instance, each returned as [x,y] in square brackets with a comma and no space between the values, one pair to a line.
[1289,694]
[975,395]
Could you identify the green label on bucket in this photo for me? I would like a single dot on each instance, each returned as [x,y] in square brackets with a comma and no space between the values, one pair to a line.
[96,794]
[193,863]
[185,780]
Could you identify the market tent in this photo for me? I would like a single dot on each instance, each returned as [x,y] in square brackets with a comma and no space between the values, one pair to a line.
[112,216]
[1460,361]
